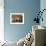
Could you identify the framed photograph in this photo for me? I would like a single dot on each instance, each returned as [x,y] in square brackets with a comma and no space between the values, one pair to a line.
[16,18]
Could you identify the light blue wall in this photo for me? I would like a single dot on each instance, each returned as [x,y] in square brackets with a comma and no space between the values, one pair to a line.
[28,7]
[43,6]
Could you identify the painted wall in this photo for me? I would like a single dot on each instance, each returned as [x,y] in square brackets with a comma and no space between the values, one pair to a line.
[43,6]
[29,8]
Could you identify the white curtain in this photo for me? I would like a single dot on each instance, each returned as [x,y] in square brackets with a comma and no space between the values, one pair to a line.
[1,20]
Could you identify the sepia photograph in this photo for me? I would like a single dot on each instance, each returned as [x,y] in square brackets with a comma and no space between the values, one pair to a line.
[16,18]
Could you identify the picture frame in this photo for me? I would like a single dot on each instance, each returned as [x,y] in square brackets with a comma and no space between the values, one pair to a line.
[16,18]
